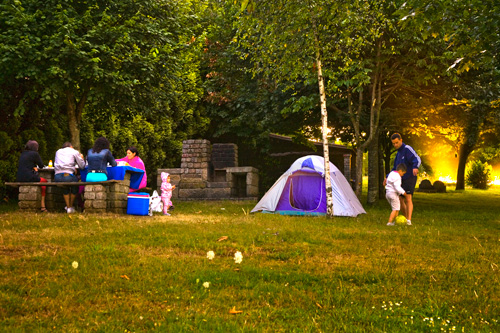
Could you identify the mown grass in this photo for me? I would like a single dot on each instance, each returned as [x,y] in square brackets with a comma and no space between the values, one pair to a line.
[298,274]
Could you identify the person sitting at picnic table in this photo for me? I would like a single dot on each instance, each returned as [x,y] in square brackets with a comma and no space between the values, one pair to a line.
[135,161]
[65,171]
[98,158]
[27,170]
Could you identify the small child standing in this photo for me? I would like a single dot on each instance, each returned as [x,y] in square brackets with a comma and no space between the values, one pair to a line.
[393,190]
[166,192]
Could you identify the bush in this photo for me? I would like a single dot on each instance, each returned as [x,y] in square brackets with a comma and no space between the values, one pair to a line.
[425,184]
[439,186]
[478,175]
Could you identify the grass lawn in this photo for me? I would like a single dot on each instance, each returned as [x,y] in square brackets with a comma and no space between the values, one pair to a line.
[297,274]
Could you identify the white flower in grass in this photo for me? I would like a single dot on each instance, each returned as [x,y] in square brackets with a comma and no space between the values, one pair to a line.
[206,284]
[210,255]
[238,257]
[74,264]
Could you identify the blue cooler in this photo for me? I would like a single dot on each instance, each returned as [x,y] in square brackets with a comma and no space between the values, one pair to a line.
[138,203]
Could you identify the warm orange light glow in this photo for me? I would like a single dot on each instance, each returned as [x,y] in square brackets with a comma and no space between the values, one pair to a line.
[445,169]
[495,175]
[448,180]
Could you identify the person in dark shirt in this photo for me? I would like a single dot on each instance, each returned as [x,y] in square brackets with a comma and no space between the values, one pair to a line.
[27,170]
[98,158]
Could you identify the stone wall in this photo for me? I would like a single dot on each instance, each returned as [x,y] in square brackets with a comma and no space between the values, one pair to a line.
[224,155]
[204,174]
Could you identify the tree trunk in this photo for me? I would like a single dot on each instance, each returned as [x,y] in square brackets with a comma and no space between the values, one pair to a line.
[75,111]
[375,107]
[470,139]
[381,176]
[324,128]
[359,173]
[465,149]
[373,171]
[73,124]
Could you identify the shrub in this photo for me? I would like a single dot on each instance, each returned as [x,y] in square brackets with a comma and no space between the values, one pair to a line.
[478,175]
[439,186]
[425,184]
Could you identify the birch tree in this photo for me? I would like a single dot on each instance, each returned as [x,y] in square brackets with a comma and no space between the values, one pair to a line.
[290,41]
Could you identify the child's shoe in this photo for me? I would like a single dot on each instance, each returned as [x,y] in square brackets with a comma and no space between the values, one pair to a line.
[390,224]
[166,214]
[408,222]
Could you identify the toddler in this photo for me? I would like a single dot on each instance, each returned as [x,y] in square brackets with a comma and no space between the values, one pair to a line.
[393,190]
[166,192]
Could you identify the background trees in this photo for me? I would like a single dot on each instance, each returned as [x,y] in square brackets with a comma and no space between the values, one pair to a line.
[127,70]
[153,73]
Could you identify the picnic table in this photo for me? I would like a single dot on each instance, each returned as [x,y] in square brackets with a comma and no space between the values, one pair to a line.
[105,196]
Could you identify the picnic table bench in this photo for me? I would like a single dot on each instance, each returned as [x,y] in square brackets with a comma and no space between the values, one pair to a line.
[104,196]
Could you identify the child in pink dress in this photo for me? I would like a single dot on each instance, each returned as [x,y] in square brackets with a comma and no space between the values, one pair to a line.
[166,192]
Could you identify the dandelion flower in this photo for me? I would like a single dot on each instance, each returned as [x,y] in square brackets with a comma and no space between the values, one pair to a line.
[74,264]
[206,284]
[210,255]
[238,257]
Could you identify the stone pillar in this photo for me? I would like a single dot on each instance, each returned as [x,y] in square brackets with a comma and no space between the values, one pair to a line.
[196,158]
[253,182]
[95,198]
[117,198]
[30,198]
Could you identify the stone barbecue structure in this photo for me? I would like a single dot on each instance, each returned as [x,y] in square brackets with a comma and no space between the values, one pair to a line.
[211,172]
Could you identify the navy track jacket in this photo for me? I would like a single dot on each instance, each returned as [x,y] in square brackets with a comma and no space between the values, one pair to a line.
[408,156]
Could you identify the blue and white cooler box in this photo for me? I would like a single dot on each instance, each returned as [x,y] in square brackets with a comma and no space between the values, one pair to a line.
[138,203]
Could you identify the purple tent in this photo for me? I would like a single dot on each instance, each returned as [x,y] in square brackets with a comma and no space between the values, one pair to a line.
[301,191]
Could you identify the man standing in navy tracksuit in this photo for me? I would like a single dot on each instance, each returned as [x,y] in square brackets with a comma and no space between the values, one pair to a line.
[409,157]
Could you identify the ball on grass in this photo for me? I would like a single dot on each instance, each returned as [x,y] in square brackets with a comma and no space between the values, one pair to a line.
[400,220]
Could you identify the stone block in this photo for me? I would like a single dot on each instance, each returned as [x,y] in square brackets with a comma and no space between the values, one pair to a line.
[99,204]
[99,188]
[192,193]
[252,191]
[191,177]
[100,195]
[124,188]
[29,205]
[218,193]
[30,189]
[117,210]
[193,185]
[117,196]
[114,187]
[30,196]
[117,204]
[24,189]
[89,195]
[218,185]
[253,179]
[242,170]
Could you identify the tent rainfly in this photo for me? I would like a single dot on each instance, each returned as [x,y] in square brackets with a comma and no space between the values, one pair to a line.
[301,191]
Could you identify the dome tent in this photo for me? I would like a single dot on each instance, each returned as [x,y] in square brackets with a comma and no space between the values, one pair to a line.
[301,191]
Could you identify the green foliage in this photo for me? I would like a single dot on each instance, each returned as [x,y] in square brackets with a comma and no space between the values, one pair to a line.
[130,69]
[478,175]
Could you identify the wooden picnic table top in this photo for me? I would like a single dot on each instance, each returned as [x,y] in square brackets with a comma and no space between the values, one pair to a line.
[62,184]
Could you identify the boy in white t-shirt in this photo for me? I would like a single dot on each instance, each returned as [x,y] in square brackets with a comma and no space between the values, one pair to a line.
[393,190]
